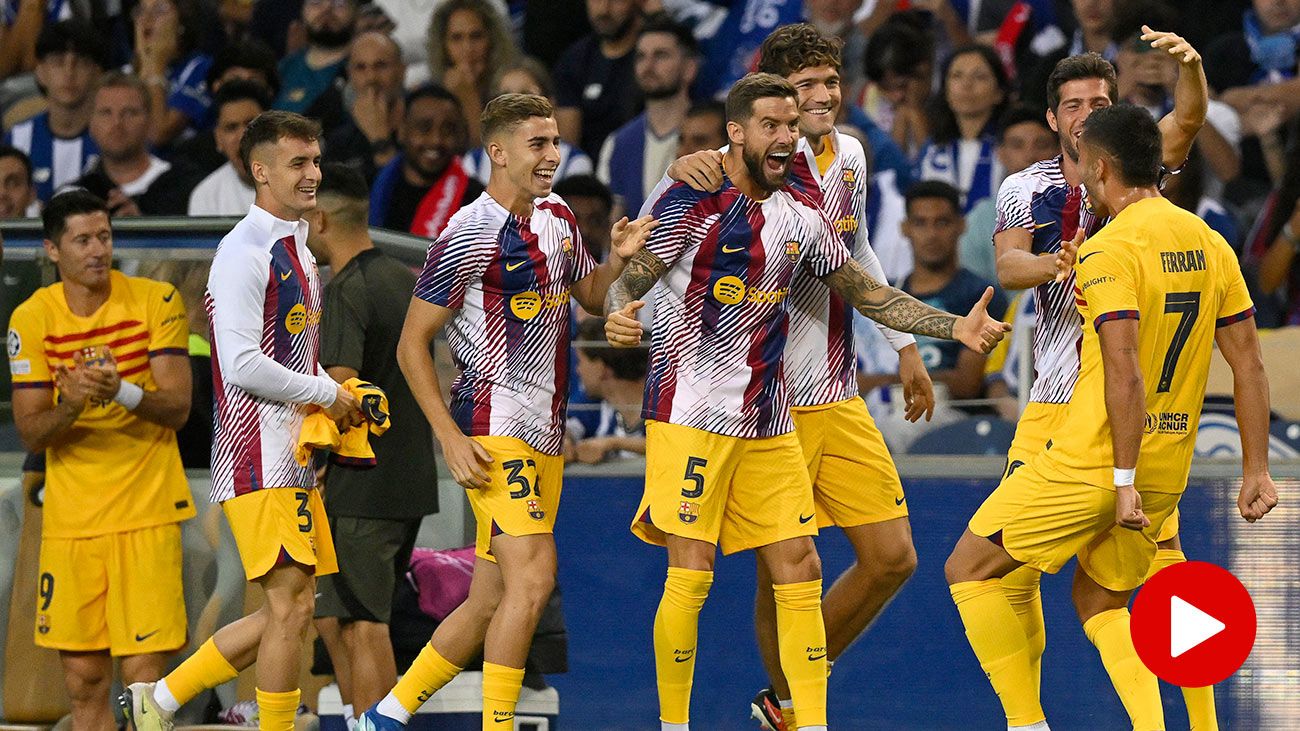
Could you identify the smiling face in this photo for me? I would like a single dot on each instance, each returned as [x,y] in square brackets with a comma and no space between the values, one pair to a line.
[767,140]
[287,174]
[432,133]
[84,253]
[529,154]
[819,99]
[1079,98]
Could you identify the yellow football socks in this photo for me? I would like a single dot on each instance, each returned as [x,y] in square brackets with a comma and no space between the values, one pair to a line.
[801,636]
[1137,687]
[1022,590]
[1200,701]
[206,668]
[676,634]
[500,694]
[999,642]
[787,715]
[427,674]
[276,711]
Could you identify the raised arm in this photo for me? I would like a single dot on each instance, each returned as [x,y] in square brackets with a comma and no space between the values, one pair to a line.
[626,239]
[1239,344]
[1126,411]
[622,328]
[1178,128]
[901,311]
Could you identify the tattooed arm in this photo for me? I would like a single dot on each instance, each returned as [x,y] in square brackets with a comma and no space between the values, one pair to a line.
[622,328]
[901,311]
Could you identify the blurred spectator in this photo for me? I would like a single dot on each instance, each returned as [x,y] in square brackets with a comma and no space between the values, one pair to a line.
[1024,138]
[17,191]
[973,96]
[527,76]
[249,60]
[616,378]
[637,155]
[704,128]
[410,29]
[70,59]
[175,72]
[131,180]
[595,79]
[273,23]
[307,74]
[1094,20]
[593,206]
[372,98]
[939,15]
[1273,246]
[468,42]
[228,191]
[20,25]
[834,18]
[1018,30]
[934,226]
[899,66]
[1187,190]
[420,188]
[550,26]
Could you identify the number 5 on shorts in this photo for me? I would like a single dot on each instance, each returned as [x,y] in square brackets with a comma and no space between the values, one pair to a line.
[692,464]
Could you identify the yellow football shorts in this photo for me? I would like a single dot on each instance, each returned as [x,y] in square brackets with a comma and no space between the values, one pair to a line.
[522,496]
[277,525]
[853,476]
[1043,519]
[120,592]
[1034,430]
[733,492]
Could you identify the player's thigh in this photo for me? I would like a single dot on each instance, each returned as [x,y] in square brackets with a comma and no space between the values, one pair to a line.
[1043,519]
[771,496]
[146,598]
[856,482]
[1120,558]
[1168,529]
[688,476]
[522,495]
[274,526]
[1038,422]
[368,550]
[810,426]
[72,594]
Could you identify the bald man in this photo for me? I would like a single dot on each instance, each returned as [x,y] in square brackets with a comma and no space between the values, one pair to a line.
[373,99]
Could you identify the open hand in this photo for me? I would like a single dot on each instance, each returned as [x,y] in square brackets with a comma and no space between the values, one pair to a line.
[918,390]
[629,237]
[1173,44]
[977,330]
[467,460]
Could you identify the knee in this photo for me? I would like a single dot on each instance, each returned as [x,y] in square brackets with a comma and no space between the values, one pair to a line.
[535,587]
[293,612]
[803,563]
[954,570]
[87,685]
[897,566]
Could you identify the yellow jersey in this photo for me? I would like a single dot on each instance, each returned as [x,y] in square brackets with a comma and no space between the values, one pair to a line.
[1167,269]
[111,471]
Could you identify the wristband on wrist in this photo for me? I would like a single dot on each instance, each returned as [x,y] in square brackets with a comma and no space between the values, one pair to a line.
[129,395]
[1124,478]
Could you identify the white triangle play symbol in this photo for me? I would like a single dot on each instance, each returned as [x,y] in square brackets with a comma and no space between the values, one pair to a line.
[1189,626]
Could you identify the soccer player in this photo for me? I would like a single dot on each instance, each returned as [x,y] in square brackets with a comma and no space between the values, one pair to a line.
[855,483]
[264,303]
[723,466]
[1038,209]
[1156,290]
[498,280]
[101,383]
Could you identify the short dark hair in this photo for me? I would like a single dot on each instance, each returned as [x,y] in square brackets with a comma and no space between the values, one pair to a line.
[1130,136]
[7,151]
[508,111]
[1089,65]
[270,127]
[1019,114]
[74,202]
[943,124]
[925,189]
[247,54]
[72,36]
[238,90]
[431,90]
[628,364]
[664,23]
[584,186]
[796,47]
[1131,15]
[899,47]
[122,80]
[751,88]
[342,180]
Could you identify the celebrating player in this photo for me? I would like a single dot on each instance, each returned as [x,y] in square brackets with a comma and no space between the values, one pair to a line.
[264,302]
[855,483]
[722,464]
[1156,289]
[499,280]
[101,384]
[1038,209]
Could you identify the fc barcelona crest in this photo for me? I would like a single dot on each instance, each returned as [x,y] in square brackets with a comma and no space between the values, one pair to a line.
[688,512]
[535,510]
[566,245]
[849,177]
[792,250]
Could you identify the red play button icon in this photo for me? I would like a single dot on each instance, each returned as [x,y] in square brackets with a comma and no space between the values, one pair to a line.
[1193,624]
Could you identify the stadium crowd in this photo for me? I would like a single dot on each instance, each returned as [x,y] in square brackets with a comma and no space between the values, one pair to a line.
[144,105]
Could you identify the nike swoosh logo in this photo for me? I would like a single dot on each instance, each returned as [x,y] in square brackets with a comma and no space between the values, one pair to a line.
[899,500]
[1043,225]
[1084,258]
[815,658]
[285,276]
[731,250]
[802,519]
[516,265]
[141,638]
[504,719]
[168,298]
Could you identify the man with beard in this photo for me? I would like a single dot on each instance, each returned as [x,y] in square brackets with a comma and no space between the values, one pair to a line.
[372,98]
[595,82]
[420,189]
[228,191]
[636,155]
[723,464]
[307,74]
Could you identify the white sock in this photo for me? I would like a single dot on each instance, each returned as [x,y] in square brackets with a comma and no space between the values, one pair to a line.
[812,728]
[665,726]
[162,695]
[1040,726]
[394,709]
[348,717]
[351,723]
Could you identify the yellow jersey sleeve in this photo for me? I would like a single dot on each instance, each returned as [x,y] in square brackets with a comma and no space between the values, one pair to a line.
[1236,304]
[27,364]
[1105,287]
[169,327]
